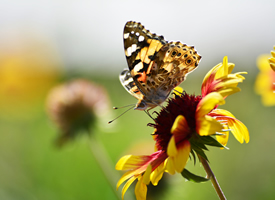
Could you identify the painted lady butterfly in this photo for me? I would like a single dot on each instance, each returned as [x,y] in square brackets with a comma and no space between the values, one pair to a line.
[156,66]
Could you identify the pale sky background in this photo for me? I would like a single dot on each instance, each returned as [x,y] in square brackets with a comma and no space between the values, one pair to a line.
[88,34]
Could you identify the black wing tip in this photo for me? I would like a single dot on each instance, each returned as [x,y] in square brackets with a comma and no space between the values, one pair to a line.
[132,22]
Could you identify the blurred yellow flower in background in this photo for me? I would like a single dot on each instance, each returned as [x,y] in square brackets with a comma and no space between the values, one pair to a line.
[264,84]
[29,67]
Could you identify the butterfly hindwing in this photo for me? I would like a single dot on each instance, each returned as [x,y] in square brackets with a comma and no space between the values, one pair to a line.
[172,64]
[129,84]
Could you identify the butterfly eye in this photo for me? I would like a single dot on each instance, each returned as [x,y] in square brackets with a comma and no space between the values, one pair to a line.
[142,106]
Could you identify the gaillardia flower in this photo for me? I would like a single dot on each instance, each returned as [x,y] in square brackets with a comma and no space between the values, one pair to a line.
[184,128]
[75,106]
[264,84]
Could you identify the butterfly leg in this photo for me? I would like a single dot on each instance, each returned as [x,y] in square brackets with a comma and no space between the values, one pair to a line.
[147,112]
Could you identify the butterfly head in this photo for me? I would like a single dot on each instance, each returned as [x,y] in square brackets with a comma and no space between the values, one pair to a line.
[141,105]
[144,105]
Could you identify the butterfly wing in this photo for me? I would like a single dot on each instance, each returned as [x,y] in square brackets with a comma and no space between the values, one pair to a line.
[172,63]
[129,84]
[140,46]
[155,66]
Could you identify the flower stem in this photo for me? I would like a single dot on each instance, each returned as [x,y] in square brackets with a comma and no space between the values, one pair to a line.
[211,176]
[104,163]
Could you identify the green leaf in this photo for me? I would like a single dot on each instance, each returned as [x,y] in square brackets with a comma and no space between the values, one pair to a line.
[198,143]
[194,156]
[198,146]
[192,177]
[201,153]
[208,140]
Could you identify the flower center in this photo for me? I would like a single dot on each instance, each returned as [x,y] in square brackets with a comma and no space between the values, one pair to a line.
[185,105]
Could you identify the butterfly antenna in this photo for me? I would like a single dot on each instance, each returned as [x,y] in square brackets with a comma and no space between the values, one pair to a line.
[123,106]
[121,113]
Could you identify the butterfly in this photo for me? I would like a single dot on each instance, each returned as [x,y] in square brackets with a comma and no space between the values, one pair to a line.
[156,66]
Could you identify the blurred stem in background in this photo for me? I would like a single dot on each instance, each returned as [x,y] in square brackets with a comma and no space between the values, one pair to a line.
[102,158]
[78,107]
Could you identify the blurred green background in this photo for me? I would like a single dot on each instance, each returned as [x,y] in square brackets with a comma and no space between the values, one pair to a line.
[31,167]
[75,42]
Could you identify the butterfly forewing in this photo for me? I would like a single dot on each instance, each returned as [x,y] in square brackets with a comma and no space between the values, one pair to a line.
[139,45]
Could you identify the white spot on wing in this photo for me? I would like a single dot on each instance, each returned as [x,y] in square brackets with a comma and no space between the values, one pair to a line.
[137,33]
[140,38]
[132,32]
[126,35]
[129,51]
[134,48]
[138,66]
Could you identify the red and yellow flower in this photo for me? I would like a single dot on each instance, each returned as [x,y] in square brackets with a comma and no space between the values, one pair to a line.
[184,127]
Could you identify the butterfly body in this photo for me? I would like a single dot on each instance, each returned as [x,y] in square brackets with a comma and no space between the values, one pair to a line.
[156,66]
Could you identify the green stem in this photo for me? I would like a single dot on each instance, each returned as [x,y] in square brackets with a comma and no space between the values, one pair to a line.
[104,163]
[211,176]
